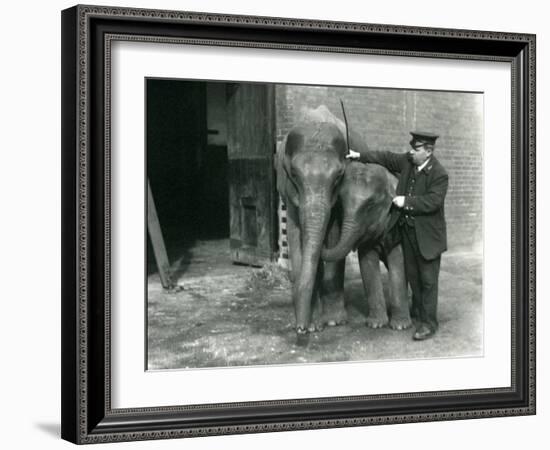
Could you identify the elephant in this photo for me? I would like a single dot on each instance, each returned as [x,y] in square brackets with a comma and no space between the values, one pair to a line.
[366,194]
[309,166]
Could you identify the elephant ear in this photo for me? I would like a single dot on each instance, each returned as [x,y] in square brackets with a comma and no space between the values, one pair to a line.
[285,186]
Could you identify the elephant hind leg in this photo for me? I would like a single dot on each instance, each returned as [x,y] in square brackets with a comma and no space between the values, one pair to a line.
[334,311]
[369,262]
[400,318]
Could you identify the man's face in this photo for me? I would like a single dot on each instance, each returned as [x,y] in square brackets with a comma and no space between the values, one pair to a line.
[419,153]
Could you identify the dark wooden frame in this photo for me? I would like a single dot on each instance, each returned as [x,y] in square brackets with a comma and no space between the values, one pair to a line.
[87,416]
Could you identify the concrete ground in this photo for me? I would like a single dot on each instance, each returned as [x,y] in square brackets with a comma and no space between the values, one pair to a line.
[232,315]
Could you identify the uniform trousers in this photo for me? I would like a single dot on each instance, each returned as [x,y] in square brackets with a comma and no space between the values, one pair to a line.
[423,277]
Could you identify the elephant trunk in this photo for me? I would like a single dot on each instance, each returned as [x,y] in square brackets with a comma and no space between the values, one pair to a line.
[314,217]
[349,236]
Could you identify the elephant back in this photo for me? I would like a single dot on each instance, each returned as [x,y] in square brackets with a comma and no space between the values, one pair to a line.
[323,114]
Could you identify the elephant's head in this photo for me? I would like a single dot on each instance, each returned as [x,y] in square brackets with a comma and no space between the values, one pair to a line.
[313,162]
[366,193]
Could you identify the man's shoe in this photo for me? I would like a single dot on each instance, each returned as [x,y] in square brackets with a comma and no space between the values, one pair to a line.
[423,333]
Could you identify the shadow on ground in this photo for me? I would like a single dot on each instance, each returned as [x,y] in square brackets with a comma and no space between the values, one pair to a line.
[52,429]
[231,315]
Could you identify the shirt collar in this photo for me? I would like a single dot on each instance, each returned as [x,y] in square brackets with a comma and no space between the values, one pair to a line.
[424,164]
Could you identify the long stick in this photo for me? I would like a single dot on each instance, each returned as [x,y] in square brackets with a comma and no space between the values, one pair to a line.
[346,123]
[159,249]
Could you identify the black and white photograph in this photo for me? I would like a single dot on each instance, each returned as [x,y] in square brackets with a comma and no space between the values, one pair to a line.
[292,223]
[297,224]
[281,225]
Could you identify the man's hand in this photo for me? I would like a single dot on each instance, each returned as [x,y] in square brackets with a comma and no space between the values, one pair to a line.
[399,201]
[353,155]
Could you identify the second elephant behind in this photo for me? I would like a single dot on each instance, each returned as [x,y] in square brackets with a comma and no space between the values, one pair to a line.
[366,194]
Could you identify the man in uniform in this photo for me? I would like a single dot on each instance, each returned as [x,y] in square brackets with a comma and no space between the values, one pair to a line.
[418,212]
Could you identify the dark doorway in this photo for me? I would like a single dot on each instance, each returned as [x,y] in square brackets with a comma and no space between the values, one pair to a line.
[209,162]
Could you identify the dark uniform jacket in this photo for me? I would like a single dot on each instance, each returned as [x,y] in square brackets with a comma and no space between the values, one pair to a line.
[426,206]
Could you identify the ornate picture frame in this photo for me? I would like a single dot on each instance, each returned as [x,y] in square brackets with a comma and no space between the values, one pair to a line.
[88,33]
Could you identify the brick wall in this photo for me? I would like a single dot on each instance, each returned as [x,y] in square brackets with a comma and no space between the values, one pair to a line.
[384,118]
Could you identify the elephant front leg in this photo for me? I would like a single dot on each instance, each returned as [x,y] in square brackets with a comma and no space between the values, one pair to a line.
[295,252]
[369,262]
[400,318]
[332,290]
[294,242]
[317,307]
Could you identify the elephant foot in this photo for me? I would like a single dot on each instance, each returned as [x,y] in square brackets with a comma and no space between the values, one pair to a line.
[400,322]
[336,317]
[315,327]
[334,313]
[377,321]
[317,324]
[337,322]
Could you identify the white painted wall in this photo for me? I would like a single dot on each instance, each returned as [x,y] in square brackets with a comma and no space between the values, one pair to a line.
[30,227]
